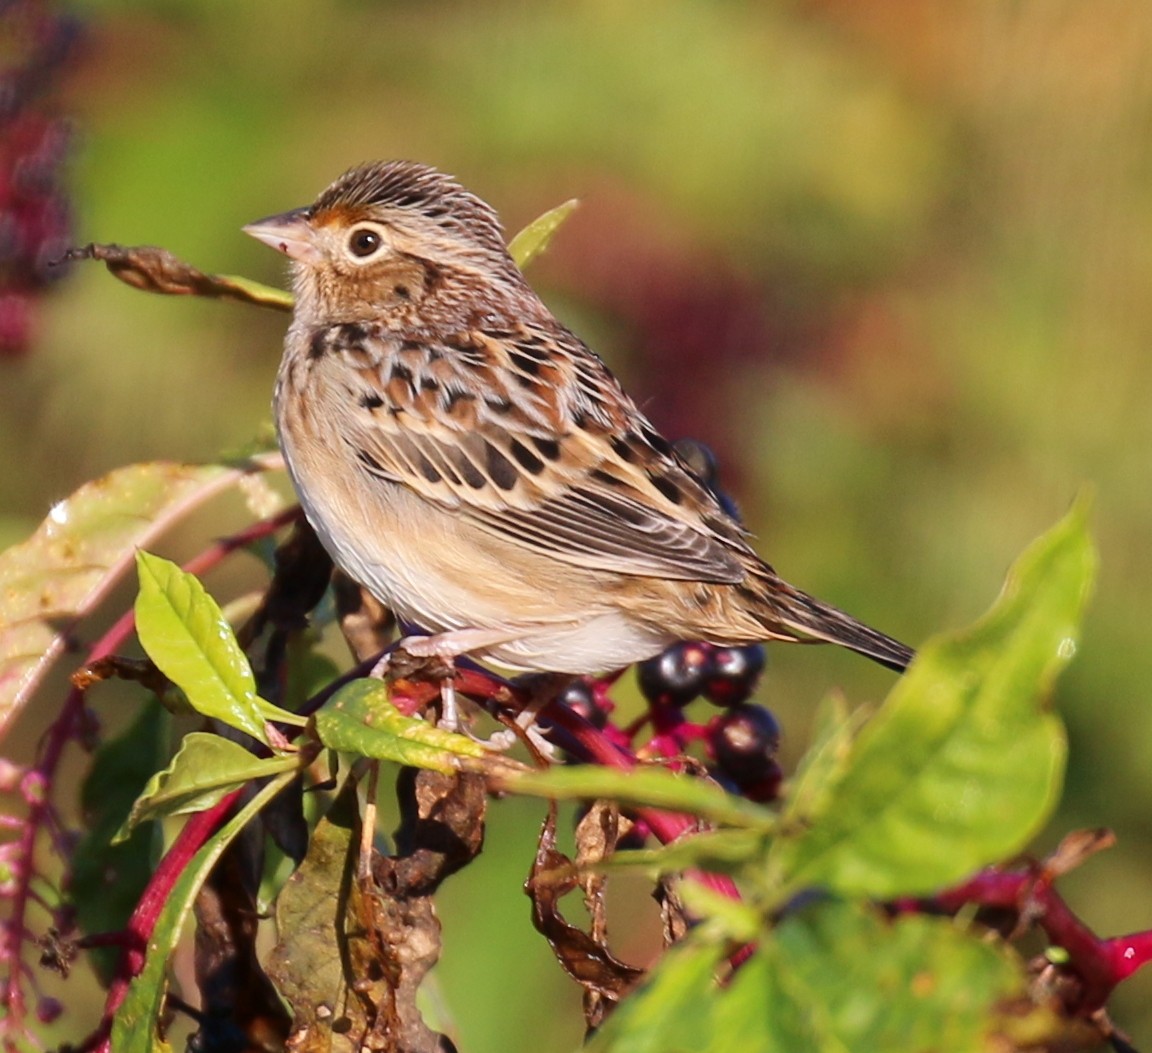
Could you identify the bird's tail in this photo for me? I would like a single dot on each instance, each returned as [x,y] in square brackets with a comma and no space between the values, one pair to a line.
[813,621]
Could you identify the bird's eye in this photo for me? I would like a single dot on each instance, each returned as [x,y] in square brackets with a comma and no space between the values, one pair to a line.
[363,242]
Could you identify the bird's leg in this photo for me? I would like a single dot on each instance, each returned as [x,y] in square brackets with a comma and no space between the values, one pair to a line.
[447,647]
[449,710]
[456,642]
[440,652]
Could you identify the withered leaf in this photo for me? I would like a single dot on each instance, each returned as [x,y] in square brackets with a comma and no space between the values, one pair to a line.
[586,959]
[235,993]
[157,270]
[301,575]
[368,626]
[352,952]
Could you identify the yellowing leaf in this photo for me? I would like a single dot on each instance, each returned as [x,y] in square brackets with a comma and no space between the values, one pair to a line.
[77,555]
[359,718]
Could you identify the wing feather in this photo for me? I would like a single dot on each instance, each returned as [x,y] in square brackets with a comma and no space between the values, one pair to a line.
[553,457]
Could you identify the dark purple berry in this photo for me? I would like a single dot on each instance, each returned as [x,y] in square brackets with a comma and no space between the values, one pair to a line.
[766,789]
[676,675]
[732,674]
[763,791]
[48,1010]
[702,462]
[579,697]
[744,741]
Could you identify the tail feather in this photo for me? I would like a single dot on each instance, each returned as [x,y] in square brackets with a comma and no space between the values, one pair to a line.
[812,620]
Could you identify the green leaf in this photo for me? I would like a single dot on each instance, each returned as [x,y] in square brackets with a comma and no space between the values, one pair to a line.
[726,920]
[205,769]
[359,718]
[833,978]
[761,1010]
[313,923]
[726,851]
[534,238]
[75,557]
[107,879]
[646,787]
[671,1010]
[867,983]
[134,1025]
[963,763]
[825,762]
[186,635]
[330,963]
[247,290]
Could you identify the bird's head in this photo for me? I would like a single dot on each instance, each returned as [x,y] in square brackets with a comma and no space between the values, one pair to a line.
[386,237]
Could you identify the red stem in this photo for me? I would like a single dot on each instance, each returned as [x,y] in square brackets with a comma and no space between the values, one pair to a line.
[1100,963]
[200,826]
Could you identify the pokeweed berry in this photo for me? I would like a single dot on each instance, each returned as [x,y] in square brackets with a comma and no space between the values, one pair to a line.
[676,675]
[580,697]
[743,742]
[732,674]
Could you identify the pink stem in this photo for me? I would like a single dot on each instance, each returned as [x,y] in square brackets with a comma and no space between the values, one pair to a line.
[1100,963]
[200,826]
[62,731]
[667,826]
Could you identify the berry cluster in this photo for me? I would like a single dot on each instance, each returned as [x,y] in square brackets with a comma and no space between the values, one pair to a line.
[35,218]
[725,676]
[743,740]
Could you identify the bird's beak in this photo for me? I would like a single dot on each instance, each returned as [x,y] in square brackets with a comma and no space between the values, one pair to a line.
[289,233]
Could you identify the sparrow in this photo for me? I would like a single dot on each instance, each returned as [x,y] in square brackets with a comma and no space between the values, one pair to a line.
[476,467]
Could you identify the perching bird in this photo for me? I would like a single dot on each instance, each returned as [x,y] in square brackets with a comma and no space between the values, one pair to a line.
[477,467]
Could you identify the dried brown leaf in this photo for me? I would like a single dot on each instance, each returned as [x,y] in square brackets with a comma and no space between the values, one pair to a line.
[235,993]
[367,625]
[353,951]
[157,270]
[582,956]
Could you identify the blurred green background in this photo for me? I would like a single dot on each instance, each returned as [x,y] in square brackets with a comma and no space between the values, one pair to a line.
[890,258]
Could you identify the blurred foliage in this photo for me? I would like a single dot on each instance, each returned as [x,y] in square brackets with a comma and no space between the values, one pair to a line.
[891,259]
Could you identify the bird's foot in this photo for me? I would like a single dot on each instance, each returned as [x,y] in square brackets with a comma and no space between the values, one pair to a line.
[401,663]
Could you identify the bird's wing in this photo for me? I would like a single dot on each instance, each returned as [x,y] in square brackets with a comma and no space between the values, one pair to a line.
[525,432]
